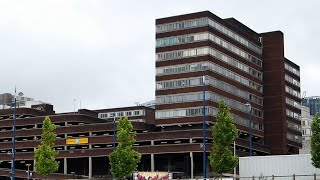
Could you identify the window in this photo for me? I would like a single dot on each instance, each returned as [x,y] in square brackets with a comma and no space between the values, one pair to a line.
[292,92]
[186,53]
[204,22]
[197,81]
[292,80]
[293,103]
[198,96]
[169,41]
[197,111]
[293,114]
[121,114]
[292,69]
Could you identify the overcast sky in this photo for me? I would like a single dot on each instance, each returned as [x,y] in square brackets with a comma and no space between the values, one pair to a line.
[103,52]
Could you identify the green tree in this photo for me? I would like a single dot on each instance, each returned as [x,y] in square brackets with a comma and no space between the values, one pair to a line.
[224,133]
[124,160]
[45,154]
[315,141]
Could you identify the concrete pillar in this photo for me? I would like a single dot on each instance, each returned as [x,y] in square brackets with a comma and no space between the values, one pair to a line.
[65,166]
[35,126]
[65,136]
[191,161]
[90,167]
[152,163]
[152,159]
[90,145]
[34,162]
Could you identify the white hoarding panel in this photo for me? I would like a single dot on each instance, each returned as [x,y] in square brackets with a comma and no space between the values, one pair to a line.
[283,165]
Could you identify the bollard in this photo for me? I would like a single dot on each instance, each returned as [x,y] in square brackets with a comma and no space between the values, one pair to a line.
[272,177]
[170,176]
[294,177]
[252,177]
[315,176]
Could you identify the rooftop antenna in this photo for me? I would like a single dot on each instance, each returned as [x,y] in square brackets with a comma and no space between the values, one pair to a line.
[74,106]
[80,103]
[137,103]
[3,101]
[304,94]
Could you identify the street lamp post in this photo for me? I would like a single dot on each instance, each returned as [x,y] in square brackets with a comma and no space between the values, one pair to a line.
[14,139]
[114,133]
[28,165]
[14,134]
[250,125]
[204,127]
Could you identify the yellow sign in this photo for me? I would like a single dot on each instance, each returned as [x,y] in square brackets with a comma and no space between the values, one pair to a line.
[77,141]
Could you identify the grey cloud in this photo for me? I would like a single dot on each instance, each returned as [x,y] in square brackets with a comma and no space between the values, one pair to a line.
[102,52]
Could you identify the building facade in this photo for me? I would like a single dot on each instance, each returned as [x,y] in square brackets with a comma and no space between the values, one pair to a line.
[313,103]
[306,130]
[237,65]
[7,101]
[240,66]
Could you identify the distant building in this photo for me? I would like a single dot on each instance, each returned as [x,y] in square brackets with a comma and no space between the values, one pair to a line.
[306,123]
[150,104]
[7,101]
[306,130]
[313,102]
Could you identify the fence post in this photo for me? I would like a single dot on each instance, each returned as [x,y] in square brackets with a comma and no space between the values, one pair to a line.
[272,177]
[315,176]
[294,177]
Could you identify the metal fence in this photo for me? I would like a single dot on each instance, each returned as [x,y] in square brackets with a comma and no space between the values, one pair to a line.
[287,177]
[273,177]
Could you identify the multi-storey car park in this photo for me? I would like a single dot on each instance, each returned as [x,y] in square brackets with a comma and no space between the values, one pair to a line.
[240,66]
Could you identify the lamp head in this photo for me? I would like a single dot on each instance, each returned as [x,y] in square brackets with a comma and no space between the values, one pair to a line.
[249,105]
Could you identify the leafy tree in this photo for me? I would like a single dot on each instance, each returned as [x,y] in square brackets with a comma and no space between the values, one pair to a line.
[315,141]
[45,154]
[124,160]
[224,133]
